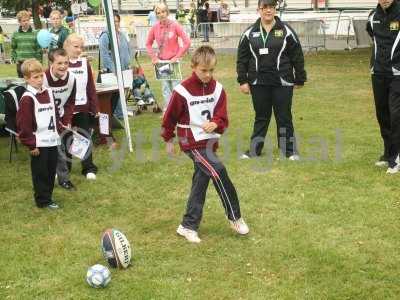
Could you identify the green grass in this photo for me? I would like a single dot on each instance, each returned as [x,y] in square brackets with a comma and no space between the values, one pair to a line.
[323,228]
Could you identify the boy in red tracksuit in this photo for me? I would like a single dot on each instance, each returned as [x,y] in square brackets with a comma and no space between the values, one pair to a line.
[38,127]
[198,110]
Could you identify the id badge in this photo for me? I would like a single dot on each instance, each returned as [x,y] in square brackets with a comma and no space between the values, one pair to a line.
[263,51]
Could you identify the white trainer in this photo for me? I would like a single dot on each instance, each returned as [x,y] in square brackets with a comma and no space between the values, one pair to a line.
[90,176]
[393,170]
[294,157]
[141,102]
[151,101]
[381,163]
[240,226]
[189,234]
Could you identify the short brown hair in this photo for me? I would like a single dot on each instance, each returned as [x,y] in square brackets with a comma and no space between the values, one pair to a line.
[56,52]
[204,55]
[23,14]
[31,66]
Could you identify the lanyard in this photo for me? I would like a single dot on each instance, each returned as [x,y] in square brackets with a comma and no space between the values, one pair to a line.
[264,38]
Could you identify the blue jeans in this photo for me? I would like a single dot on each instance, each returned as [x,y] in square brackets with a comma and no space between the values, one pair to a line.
[205,27]
[167,87]
[118,110]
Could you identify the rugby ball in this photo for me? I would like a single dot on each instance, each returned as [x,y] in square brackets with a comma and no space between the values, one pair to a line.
[116,248]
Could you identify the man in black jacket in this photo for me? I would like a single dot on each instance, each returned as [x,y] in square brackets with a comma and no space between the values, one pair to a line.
[270,63]
[384,28]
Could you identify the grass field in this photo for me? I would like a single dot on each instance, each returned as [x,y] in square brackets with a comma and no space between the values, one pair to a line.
[323,228]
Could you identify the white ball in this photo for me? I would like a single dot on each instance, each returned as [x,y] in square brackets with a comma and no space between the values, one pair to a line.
[98,276]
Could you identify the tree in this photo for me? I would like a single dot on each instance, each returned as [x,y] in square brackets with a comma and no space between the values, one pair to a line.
[18,5]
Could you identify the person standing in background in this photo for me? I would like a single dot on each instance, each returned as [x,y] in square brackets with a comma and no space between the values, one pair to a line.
[167,34]
[192,16]
[24,43]
[270,65]
[3,36]
[58,31]
[384,27]
[180,15]
[223,12]
[107,61]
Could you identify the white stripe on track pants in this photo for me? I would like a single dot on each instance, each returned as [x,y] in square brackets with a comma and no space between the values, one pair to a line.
[206,166]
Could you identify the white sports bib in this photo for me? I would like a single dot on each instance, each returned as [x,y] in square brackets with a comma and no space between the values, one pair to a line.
[81,75]
[61,93]
[201,110]
[45,115]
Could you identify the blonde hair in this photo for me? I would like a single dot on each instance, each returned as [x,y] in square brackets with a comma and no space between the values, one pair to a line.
[161,6]
[23,14]
[73,37]
[55,12]
[31,66]
[204,55]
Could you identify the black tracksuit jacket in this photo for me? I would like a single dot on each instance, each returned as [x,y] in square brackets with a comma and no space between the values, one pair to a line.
[284,63]
[384,28]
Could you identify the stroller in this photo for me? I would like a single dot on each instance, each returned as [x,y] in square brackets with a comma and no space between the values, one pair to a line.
[141,92]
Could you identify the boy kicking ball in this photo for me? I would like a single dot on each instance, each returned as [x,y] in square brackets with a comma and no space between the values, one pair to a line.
[198,109]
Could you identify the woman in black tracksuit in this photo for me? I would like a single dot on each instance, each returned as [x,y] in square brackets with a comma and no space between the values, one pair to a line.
[270,63]
[384,27]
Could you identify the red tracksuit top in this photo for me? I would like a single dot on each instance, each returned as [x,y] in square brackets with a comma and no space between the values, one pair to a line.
[177,112]
[26,120]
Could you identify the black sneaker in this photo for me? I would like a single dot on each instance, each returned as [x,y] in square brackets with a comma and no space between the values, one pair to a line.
[53,205]
[67,185]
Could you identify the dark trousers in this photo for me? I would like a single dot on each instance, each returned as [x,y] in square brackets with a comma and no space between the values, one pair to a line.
[84,121]
[43,168]
[206,166]
[63,167]
[19,72]
[205,27]
[279,98]
[387,104]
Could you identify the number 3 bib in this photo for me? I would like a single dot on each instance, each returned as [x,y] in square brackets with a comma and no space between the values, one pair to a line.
[201,110]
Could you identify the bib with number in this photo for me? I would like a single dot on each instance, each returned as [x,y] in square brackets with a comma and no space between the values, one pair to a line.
[81,75]
[61,93]
[45,116]
[201,110]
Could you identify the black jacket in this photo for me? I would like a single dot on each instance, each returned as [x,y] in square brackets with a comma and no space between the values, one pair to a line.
[12,96]
[284,63]
[384,28]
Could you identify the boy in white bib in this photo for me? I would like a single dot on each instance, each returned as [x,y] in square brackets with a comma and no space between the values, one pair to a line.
[38,127]
[86,102]
[198,110]
[63,84]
